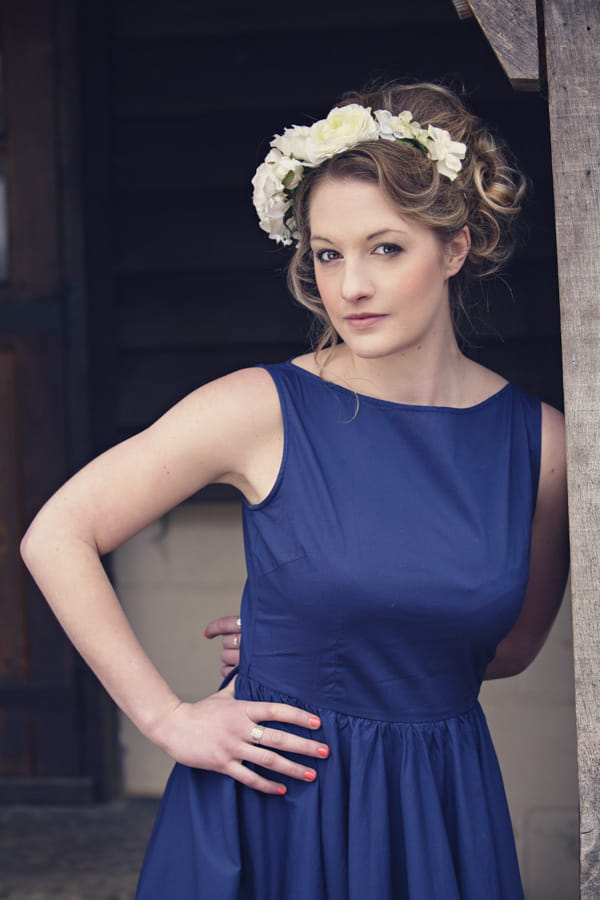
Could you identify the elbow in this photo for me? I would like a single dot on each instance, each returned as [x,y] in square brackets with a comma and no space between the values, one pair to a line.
[39,539]
[30,545]
[509,662]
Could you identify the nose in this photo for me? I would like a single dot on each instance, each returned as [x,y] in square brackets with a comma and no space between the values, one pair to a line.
[356,284]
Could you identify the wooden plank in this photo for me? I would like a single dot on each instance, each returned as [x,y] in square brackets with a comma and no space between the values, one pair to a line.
[13,643]
[230,73]
[571,36]
[141,19]
[150,155]
[511,28]
[211,229]
[198,309]
[217,228]
[15,746]
[53,732]
[31,172]
[175,373]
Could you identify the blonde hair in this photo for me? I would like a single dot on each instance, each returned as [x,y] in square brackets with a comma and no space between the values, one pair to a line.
[486,195]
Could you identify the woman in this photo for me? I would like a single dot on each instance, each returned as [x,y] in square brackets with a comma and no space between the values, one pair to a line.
[405,528]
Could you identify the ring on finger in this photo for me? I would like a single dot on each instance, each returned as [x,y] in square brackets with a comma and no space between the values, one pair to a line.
[236,641]
[257,733]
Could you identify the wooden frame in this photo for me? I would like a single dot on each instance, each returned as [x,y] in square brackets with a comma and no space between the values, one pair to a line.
[568,37]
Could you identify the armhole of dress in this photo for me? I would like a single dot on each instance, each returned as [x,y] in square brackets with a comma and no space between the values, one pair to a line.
[536,452]
[251,507]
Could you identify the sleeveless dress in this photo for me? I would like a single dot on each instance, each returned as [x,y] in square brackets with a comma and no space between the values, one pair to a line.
[386,564]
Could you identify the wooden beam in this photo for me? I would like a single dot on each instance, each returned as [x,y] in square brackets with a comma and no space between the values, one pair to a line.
[463,8]
[572,65]
[511,28]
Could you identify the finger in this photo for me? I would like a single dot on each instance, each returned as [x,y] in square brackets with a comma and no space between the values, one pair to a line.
[225,670]
[268,759]
[253,780]
[281,712]
[291,743]
[232,641]
[230,657]
[224,625]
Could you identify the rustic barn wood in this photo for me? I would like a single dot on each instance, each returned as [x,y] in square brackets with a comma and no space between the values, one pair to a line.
[182,18]
[15,750]
[511,28]
[47,742]
[572,66]
[571,38]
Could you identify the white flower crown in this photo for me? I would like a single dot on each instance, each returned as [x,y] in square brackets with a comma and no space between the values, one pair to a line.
[302,147]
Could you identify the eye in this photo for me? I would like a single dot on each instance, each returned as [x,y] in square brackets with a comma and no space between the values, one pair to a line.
[326,256]
[387,249]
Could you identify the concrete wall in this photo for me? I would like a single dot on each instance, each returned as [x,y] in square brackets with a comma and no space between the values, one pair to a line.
[188,568]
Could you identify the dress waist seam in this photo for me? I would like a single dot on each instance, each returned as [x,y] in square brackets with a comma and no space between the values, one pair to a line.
[310,706]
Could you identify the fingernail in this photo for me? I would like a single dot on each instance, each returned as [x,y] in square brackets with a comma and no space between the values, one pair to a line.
[314,721]
[310,776]
[206,632]
[323,751]
[281,790]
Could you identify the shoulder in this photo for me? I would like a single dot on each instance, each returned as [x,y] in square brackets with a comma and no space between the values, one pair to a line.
[553,464]
[218,429]
[246,398]
[240,428]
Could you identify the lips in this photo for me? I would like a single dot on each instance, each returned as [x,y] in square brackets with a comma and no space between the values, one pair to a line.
[363,320]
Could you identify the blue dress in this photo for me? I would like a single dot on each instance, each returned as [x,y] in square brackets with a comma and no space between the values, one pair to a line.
[384,567]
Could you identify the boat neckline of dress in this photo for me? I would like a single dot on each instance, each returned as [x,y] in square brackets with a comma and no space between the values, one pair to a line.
[393,403]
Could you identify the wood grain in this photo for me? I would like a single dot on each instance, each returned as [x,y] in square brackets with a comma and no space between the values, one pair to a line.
[511,28]
[572,65]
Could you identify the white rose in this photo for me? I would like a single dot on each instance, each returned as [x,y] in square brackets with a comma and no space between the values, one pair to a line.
[344,127]
[292,142]
[272,219]
[445,152]
[289,172]
[265,184]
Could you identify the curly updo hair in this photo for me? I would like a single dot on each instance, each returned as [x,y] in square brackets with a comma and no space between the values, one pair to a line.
[486,195]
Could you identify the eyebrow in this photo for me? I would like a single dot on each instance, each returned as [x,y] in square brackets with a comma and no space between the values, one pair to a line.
[318,237]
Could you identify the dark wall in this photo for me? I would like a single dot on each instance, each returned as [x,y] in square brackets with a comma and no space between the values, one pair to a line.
[180,103]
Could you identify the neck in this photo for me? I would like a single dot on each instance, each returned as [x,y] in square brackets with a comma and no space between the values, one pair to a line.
[415,376]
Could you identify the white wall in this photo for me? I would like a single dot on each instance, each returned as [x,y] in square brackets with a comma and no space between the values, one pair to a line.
[188,568]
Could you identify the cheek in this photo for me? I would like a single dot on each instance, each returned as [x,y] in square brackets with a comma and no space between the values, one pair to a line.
[424,279]
[324,288]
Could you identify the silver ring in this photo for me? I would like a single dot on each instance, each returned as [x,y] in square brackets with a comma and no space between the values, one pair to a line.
[238,622]
[236,641]
[257,733]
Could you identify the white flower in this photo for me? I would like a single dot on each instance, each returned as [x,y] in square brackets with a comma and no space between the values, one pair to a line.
[302,147]
[292,142]
[344,127]
[445,152]
[272,216]
[273,183]
[399,127]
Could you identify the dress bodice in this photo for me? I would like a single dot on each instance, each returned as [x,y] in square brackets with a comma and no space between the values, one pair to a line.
[392,554]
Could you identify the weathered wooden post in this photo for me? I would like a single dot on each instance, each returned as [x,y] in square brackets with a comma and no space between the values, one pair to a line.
[572,59]
[569,33]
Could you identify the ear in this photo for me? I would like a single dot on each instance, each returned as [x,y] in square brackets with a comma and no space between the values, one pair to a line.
[457,251]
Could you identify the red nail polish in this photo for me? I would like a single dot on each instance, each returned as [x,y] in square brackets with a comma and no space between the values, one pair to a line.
[206,632]
[281,790]
[310,776]
[323,751]
[314,722]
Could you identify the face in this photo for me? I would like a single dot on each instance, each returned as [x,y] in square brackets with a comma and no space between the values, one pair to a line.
[383,278]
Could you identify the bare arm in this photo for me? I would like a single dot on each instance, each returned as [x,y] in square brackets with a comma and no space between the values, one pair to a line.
[228,431]
[549,557]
